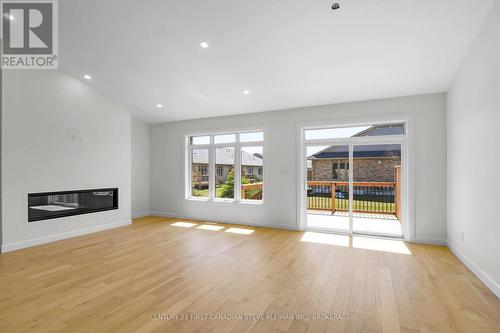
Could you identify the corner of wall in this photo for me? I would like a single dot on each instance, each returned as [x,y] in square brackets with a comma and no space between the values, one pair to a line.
[471,123]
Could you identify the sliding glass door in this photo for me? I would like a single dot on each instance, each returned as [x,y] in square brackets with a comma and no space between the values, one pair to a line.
[376,190]
[328,187]
[355,184]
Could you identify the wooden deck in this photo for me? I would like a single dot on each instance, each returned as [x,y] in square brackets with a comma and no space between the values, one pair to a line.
[119,280]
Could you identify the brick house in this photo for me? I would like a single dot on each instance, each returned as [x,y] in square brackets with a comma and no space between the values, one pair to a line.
[372,163]
[251,166]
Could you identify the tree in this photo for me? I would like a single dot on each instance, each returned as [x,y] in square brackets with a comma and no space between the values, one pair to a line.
[227,190]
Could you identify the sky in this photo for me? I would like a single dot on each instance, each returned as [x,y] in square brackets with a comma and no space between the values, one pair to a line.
[334,133]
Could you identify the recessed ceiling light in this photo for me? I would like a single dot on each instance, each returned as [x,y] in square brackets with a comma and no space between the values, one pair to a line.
[203,45]
[87,77]
[246,92]
[159,106]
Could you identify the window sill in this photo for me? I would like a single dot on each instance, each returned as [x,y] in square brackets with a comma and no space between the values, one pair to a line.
[226,201]
[201,199]
[251,202]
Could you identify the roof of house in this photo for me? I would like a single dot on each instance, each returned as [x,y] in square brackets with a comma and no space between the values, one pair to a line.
[258,155]
[359,151]
[382,130]
[226,156]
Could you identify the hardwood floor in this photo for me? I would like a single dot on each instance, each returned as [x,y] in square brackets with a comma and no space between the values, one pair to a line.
[121,280]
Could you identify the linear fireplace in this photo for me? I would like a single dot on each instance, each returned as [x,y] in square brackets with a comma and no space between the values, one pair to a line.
[51,205]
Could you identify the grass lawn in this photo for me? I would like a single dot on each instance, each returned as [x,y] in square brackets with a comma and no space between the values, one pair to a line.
[204,193]
[218,191]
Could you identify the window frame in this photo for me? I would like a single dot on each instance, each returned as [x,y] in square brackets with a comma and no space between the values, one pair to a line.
[212,171]
[408,156]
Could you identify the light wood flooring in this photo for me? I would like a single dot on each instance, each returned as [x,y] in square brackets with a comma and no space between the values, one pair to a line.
[121,280]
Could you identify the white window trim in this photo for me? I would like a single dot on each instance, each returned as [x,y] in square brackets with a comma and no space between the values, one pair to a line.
[212,172]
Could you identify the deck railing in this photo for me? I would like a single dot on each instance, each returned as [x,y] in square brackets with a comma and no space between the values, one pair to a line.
[368,197]
[251,191]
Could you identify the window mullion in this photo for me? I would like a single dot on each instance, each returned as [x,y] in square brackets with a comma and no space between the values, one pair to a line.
[237,173]
[189,189]
[211,172]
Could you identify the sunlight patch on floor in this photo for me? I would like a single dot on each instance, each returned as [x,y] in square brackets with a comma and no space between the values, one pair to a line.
[210,227]
[323,238]
[239,231]
[183,224]
[362,222]
[377,244]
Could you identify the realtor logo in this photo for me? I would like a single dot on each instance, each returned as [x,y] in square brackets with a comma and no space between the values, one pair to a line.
[29,32]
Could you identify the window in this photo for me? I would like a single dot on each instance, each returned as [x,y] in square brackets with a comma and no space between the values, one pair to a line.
[351,132]
[251,184]
[340,170]
[252,137]
[226,166]
[225,138]
[335,171]
[200,140]
[224,184]
[199,173]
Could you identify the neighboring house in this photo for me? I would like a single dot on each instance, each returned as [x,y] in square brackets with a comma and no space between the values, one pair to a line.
[309,169]
[251,166]
[372,163]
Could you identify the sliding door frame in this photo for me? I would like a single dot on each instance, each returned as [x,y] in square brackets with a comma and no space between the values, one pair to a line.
[407,170]
[337,143]
[391,141]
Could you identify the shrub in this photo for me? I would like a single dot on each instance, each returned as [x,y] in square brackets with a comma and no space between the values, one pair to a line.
[228,187]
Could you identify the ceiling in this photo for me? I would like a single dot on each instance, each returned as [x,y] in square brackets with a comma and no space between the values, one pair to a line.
[288,54]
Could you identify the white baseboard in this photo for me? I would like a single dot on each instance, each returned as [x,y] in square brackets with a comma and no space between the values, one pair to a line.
[52,238]
[140,214]
[264,225]
[483,276]
[430,241]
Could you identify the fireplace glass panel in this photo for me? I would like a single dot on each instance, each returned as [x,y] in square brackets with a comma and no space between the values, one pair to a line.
[42,206]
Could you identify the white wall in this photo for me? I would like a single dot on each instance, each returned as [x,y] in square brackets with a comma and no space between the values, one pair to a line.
[427,115]
[473,122]
[59,134]
[140,169]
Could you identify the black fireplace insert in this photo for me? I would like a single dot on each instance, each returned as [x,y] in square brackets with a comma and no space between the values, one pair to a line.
[51,205]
